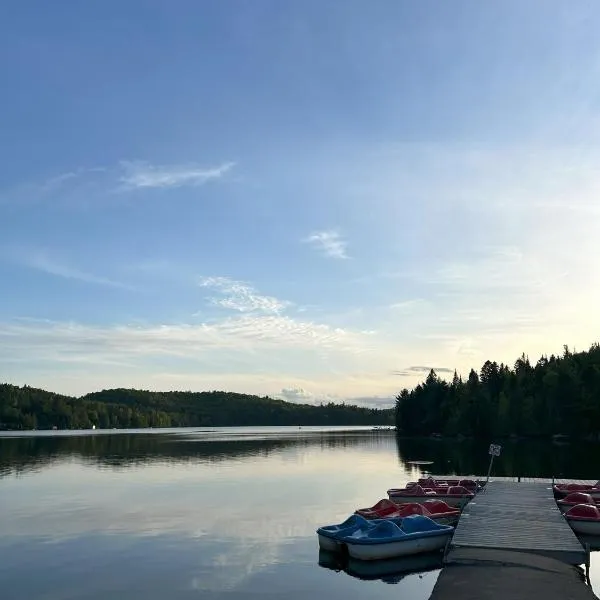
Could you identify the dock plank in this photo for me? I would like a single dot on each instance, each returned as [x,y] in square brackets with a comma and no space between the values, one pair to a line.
[500,575]
[521,517]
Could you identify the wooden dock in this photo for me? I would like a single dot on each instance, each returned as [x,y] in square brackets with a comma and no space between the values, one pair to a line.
[478,574]
[517,517]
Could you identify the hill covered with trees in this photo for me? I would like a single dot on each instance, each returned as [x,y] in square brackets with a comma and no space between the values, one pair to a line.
[30,408]
[556,395]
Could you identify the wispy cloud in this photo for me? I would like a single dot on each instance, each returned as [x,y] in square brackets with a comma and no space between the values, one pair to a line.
[330,242]
[56,181]
[41,261]
[237,295]
[297,395]
[372,401]
[249,352]
[420,370]
[35,191]
[71,342]
[98,184]
[141,175]
[300,395]
[423,369]
[408,306]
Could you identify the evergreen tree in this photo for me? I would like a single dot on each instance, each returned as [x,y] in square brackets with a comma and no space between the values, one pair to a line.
[559,395]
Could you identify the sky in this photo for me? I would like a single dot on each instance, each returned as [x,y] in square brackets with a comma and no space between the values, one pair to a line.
[318,201]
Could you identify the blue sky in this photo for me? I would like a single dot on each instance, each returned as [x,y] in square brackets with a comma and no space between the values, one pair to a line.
[312,200]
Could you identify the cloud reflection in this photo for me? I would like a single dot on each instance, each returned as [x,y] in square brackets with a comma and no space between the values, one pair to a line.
[237,515]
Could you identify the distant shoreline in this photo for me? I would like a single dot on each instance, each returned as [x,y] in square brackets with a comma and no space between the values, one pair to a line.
[27,409]
[237,431]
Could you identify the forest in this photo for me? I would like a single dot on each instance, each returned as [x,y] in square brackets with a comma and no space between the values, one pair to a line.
[30,408]
[558,395]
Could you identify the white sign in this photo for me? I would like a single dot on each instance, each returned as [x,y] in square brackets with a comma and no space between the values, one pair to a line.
[495,450]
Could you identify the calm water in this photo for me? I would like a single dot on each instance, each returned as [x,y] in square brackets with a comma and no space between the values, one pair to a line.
[227,513]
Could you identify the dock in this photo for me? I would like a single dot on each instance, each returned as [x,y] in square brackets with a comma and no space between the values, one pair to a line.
[512,542]
[502,575]
[517,517]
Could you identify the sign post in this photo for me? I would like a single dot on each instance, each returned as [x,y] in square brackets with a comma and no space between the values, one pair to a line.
[494,450]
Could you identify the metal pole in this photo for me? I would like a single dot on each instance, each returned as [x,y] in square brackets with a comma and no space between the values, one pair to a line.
[587,563]
[489,470]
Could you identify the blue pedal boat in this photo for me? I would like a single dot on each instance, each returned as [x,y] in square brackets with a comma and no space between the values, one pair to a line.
[330,535]
[388,539]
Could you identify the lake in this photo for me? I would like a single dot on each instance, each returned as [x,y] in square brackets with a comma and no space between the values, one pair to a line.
[219,513]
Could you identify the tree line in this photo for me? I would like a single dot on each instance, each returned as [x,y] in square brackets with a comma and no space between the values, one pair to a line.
[556,395]
[30,408]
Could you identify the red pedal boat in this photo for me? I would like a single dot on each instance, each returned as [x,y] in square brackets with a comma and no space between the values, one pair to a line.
[573,499]
[430,482]
[381,510]
[455,496]
[436,510]
[441,512]
[564,489]
[584,518]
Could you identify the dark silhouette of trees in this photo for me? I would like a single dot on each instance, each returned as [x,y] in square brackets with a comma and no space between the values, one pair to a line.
[557,395]
[30,408]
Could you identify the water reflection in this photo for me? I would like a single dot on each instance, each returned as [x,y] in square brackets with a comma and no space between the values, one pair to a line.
[197,514]
[525,458]
[122,450]
[519,458]
[390,571]
[155,515]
